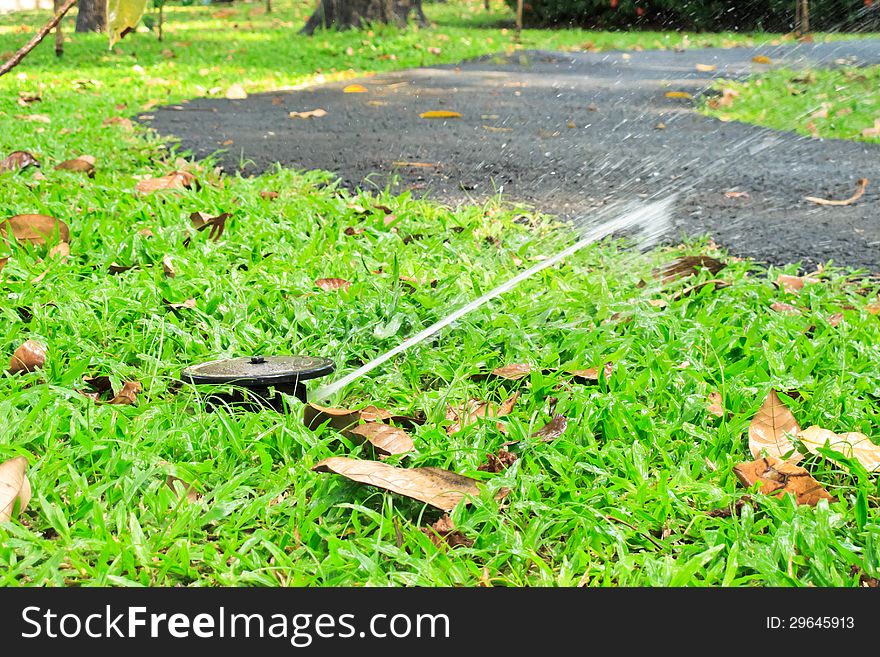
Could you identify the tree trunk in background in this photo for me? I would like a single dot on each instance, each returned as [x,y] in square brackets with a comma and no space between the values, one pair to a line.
[345,14]
[92,16]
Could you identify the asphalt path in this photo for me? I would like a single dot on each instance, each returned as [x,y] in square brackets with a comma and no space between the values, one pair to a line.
[571,134]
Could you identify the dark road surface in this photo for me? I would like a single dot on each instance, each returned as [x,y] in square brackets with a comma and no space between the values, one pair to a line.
[569,133]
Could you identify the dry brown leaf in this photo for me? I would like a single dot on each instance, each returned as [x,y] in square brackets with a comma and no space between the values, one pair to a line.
[355,89]
[716,404]
[513,372]
[443,533]
[29,357]
[440,114]
[591,374]
[678,94]
[183,489]
[236,92]
[17,161]
[794,284]
[417,165]
[384,437]
[786,308]
[168,267]
[687,266]
[36,118]
[706,68]
[780,477]
[82,164]
[871,132]
[127,395]
[174,180]
[735,194]
[762,59]
[861,186]
[340,419]
[692,289]
[202,221]
[34,228]
[771,429]
[553,429]
[60,251]
[14,487]
[121,121]
[851,444]
[268,195]
[835,319]
[330,284]
[310,114]
[498,462]
[439,488]
[475,409]
[189,303]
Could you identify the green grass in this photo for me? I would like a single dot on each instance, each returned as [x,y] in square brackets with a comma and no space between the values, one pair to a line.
[831,104]
[620,499]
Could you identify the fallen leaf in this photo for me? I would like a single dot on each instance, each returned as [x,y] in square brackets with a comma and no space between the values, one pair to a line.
[780,477]
[14,487]
[168,267]
[116,268]
[762,59]
[121,121]
[728,511]
[330,284]
[717,283]
[384,437]
[835,319]
[678,94]
[201,221]
[440,114]
[706,68]
[17,161]
[236,92]
[553,429]
[189,303]
[513,372]
[591,374]
[794,284]
[183,489]
[787,308]
[851,444]
[735,194]
[716,404]
[34,228]
[440,488]
[475,409]
[498,462]
[687,266]
[443,532]
[310,114]
[416,165]
[861,186]
[268,195]
[174,180]
[36,118]
[770,429]
[82,164]
[25,98]
[127,395]
[355,89]
[871,132]
[29,357]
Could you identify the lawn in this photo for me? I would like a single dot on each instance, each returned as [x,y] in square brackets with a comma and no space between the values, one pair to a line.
[625,496]
[839,103]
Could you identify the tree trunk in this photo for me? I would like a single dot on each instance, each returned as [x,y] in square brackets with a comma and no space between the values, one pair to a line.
[346,14]
[92,16]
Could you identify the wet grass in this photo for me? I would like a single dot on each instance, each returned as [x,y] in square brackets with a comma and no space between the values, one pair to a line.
[621,498]
[840,103]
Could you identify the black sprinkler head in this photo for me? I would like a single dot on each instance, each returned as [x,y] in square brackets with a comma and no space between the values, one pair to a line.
[259,379]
